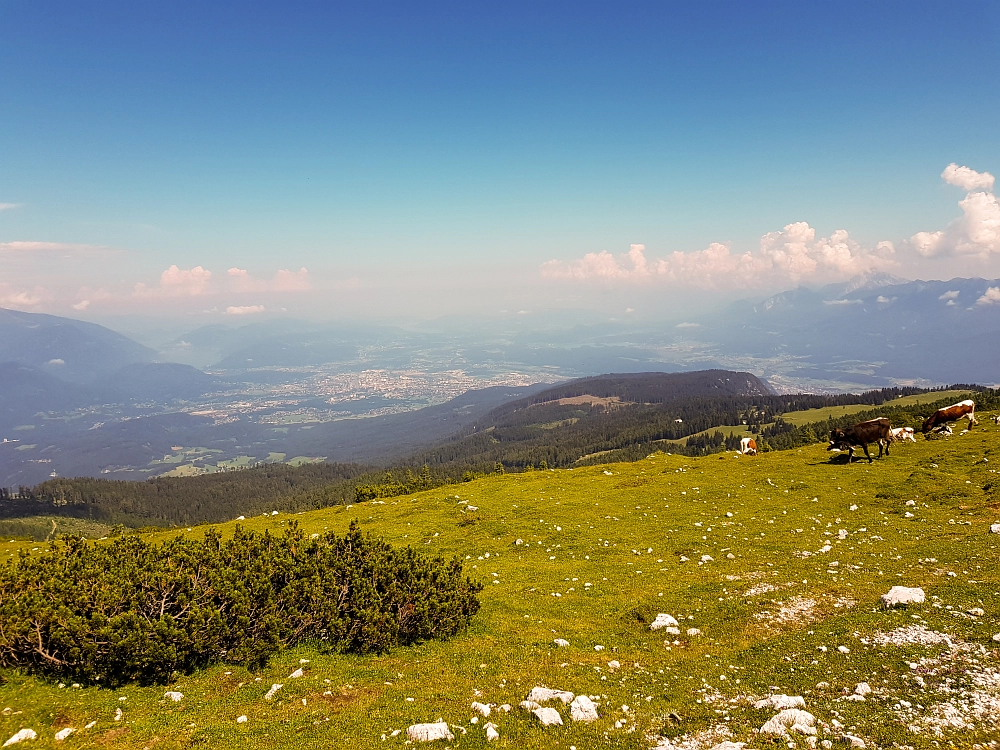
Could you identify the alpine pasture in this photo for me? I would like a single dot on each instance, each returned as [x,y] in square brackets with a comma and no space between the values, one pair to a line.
[772,565]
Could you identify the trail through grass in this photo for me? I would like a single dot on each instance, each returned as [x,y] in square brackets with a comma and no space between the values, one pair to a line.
[777,560]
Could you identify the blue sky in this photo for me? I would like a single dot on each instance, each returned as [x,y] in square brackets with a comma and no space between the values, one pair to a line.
[425,158]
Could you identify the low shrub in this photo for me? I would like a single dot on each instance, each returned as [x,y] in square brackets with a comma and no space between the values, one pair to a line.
[133,611]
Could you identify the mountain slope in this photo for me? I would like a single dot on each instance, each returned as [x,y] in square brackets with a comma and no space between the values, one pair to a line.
[72,350]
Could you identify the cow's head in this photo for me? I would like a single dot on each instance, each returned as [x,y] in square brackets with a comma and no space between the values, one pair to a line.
[928,424]
[837,440]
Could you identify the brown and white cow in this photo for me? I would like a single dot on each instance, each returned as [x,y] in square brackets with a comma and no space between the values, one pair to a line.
[748,446]
[902,434]
[951,413]
[863,433]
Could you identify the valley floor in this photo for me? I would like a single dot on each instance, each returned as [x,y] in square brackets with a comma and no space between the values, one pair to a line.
[772,565]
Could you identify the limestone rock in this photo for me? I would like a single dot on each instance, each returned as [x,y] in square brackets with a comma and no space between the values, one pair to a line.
[548,716]
[781,701]
[21,736]
[902,596]
[544,695]
[663,621]
[782,722]
[173,695]
[583,709]
[429,732]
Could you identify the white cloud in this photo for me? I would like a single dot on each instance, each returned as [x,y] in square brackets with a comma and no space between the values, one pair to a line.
[21,299]
[883,300]
[951,294]
[244,309]
[967,179]
[21,246]
[56,362]
[688,325]
[977,231]
[81,305]
[283,281]
[9,206]
[790,255]
[178,282]
[992,296]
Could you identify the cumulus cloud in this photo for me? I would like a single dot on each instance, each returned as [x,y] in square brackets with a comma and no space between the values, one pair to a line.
[793,254]
[977,231]
[951,294]
[9,206]
[178,282]
[284,281]
[244,309]
[967,179]
[992,296]
[23,299]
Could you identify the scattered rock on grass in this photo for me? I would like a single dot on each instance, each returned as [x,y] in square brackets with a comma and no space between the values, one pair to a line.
[583,709]
[491,732]
[561,642]
[274,689]
[902,596]
[781,701]
[64,733]
[429,732]
[790,720]
[21,736]
[483,709]
[296,674]
[663,621]
[544,695]
[173,695]
[548,716]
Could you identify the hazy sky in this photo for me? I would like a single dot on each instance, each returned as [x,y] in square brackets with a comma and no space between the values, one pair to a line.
[407,160]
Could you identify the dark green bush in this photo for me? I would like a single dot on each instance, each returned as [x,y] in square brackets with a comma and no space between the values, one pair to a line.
[132,611]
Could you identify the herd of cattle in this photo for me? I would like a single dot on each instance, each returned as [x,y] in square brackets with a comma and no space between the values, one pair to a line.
[881,432]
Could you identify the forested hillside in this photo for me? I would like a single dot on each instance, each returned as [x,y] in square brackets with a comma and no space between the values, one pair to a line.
[596,420]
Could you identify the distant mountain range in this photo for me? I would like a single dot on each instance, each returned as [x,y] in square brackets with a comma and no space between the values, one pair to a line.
[874,331]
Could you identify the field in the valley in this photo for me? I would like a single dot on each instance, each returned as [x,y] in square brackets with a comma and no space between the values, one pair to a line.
[778,562]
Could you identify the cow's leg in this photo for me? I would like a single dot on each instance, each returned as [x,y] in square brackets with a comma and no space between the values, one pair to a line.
[864,447]
[850,454]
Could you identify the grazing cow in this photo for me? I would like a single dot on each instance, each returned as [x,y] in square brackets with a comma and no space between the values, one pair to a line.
[996,419]
[863,433]
[951,413]
[748,446]
[902,434]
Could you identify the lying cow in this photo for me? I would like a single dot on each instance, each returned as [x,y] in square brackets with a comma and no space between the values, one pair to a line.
[863,433]
[902,434]
[951,413]
[996,419]
[748,446]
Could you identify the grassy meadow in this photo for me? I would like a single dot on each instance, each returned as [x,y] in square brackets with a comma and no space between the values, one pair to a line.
[777,560]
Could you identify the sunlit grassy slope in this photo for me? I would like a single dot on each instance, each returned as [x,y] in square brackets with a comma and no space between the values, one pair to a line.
[833,412]
[603,550]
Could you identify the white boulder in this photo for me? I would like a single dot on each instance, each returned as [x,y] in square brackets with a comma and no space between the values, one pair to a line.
[791,719]
[663,621]
[781,701]
[544,695]
[173,695]
[429,732]
[296,674]
[21,736]
[548,716]
[241,719]
[583,709]
[274,689]
[863,688]
[728,745]
[901,596]
[561,642]
[995,528]
[483,709]
[491,732]
[64,733]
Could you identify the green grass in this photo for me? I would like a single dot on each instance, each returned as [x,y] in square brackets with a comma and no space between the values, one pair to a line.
[41,528]
[596,525]
[727,430]
[833,412]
